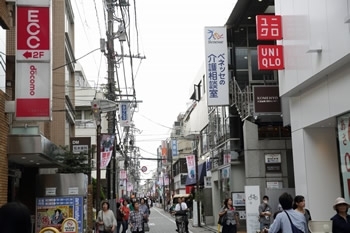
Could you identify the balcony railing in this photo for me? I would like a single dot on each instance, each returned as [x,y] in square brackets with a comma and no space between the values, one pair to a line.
[243,100]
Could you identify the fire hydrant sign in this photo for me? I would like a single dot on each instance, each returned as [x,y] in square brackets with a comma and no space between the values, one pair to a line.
[33,60]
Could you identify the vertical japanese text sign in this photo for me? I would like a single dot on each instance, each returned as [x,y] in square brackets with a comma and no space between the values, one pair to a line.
[269,27]
[33,60]
[216,66]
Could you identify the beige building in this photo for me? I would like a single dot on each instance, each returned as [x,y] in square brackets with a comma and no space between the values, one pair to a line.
[32,145]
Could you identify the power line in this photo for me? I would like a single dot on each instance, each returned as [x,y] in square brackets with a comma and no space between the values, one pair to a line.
[75,59]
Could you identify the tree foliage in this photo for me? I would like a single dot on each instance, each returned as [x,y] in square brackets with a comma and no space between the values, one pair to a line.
[73,163]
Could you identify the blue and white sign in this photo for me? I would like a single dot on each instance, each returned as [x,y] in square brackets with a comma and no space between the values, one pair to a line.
[216,62]
[174,151]
[124,114]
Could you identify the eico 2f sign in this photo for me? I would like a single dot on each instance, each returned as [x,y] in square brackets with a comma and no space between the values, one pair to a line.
[33,33]
[33,60]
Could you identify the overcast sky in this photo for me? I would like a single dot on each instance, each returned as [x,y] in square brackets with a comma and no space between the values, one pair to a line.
[171,37]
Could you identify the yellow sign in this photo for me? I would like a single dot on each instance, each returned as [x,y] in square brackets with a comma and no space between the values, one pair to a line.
[49,230]
[69,225]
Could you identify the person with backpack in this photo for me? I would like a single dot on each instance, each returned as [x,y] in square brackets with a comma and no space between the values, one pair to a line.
[288,220]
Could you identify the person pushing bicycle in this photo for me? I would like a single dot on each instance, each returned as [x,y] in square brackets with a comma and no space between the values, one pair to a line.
[181,213]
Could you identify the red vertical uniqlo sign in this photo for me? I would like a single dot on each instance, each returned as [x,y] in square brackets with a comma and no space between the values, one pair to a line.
[269,27]
[270,57]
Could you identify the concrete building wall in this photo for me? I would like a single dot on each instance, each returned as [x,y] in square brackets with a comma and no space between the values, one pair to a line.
[309,24]
[255,150]
[317,85]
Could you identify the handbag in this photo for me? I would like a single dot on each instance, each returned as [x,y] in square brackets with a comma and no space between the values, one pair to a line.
[222,219]
[107,229]
[145,226]
[294,228]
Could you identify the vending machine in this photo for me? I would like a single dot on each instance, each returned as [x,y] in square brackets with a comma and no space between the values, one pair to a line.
[58,197]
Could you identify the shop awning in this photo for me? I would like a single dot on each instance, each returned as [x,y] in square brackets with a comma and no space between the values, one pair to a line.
[32,151]
[201,173]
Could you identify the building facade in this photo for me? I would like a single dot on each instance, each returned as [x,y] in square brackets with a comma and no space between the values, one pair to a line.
[33,145]
[314,85]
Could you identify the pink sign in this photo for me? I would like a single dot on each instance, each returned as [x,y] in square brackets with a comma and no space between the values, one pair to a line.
[105,158]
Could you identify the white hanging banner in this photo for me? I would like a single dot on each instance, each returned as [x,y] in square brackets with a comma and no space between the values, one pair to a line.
[216,66]
[191,166]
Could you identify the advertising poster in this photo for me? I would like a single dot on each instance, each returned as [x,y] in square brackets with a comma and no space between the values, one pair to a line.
[191,167]
[344,149]
[238,201]
[52,211]
[107,145]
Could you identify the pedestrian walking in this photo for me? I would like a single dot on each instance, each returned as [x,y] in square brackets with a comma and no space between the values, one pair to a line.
[299,205]
[288,217]
[341,220]
[106,219]
[231,222]
[136,218]
[126,212]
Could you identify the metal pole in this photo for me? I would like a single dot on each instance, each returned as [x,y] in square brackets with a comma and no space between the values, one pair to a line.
[98,167]
[111,94]
[197,184]
[163,192]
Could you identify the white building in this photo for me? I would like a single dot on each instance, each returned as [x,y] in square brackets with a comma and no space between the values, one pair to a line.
[315,85]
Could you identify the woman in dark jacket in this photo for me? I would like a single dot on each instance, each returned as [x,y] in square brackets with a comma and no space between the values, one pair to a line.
[341,221]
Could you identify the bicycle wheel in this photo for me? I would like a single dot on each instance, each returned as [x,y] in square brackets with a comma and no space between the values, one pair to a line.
[182,228]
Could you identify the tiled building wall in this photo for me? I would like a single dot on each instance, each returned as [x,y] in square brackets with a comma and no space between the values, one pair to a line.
[3,149]
[57,126]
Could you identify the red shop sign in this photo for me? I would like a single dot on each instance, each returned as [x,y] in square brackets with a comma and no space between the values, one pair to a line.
[33,28]
[270,57]
[269,27]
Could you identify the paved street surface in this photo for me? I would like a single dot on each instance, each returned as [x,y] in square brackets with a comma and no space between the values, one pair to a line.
[161,221]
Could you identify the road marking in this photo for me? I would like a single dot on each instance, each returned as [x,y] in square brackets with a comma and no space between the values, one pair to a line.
[170,219]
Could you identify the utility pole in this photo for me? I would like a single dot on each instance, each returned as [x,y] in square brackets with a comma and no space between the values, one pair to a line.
[111,168]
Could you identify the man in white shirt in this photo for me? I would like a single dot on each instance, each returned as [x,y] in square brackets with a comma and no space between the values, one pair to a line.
[181,210]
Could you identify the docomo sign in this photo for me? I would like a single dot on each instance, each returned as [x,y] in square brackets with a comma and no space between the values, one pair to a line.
[270,57]
[33,90]
[33,33]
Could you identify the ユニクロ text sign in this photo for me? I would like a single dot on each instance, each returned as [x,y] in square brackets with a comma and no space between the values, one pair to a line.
[270,57]
[269,27]
[33,33]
